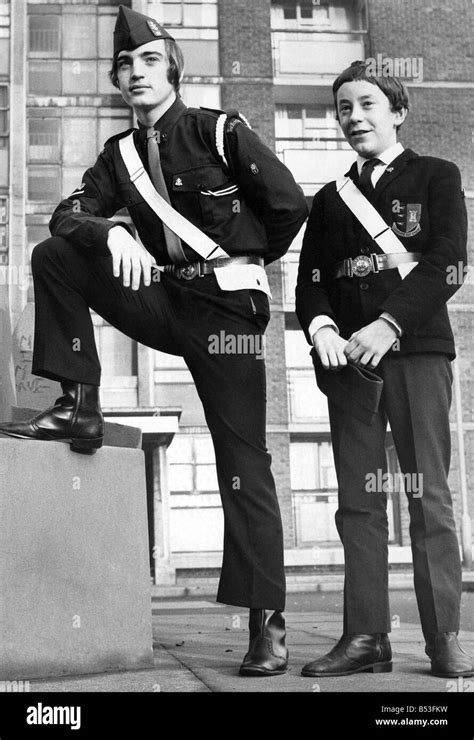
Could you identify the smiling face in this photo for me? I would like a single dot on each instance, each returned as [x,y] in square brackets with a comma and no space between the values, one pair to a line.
[366,118]
[142,76]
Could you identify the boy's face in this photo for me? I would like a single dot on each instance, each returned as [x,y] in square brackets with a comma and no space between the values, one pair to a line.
[366,119]
[143,76]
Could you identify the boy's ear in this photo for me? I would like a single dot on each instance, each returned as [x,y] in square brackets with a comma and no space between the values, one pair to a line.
[401,116]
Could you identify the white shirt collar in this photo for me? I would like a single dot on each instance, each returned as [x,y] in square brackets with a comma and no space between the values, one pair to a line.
[386,157]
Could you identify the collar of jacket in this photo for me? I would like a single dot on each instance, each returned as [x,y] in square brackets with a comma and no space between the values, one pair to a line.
[393,169]
[167,120]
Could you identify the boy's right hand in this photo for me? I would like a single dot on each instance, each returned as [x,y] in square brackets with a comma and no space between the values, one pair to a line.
[130,257]
[330,348]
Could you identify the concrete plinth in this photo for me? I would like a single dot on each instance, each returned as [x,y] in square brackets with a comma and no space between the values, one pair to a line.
[74,564]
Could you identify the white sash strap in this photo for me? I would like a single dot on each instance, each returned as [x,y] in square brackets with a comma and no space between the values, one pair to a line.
[189,233]
[372,222]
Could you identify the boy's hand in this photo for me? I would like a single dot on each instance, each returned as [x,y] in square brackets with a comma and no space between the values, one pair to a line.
[368,345]
[129,256]
[330,348]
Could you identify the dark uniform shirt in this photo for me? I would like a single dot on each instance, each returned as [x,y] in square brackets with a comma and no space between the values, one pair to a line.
[254,206]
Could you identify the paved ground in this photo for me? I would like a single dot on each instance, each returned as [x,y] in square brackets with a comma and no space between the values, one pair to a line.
[199,644]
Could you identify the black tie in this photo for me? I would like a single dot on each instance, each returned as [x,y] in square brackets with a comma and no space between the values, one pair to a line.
[173,242]
[364,182]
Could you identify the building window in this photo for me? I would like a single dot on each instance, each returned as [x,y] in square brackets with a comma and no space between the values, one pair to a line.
[44,78]
[308,127]
[4,118]
[44,35]
[340,15]
[314,492]
[201,14]
[4,132]
[192,466]
[310,143]
[307,405]
[201,57]
[44,184]
[43,139]
[3,224]
[318,472]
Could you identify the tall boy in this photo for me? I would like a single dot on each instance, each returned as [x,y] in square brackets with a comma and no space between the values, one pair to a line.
[388,312]
[227,186]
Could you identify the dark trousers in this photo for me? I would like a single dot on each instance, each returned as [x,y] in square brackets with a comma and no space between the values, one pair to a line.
[415,400]
[182,318]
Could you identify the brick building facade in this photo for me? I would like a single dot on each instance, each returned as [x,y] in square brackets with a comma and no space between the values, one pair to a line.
[275,61]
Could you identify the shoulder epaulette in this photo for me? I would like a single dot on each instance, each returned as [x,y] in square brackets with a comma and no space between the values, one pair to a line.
[120,135]
[225,124]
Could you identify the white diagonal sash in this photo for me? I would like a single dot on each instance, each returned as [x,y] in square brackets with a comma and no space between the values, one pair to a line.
[200,242]
[372,222]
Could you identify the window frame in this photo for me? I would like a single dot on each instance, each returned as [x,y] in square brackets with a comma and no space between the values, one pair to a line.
[41,54]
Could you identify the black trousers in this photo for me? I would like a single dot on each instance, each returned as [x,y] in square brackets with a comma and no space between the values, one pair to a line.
[193,319]
[416,401]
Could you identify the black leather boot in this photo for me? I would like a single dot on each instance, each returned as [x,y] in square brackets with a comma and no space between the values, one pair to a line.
[76,415]
[448,659]
[354,654]
[267,654]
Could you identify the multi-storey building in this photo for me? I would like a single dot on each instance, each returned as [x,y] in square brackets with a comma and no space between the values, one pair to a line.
[274,60]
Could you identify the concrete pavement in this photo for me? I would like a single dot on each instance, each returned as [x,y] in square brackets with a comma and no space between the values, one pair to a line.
[198,647]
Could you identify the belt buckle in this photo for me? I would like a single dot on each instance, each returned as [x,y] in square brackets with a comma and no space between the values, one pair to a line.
[362,265]
[188,272]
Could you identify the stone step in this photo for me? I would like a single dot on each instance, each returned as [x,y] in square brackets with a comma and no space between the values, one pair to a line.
[74,564]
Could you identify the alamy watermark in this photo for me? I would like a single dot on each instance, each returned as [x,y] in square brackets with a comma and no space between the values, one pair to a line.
[380,482]
[18,275]
[237,344]
[410,68]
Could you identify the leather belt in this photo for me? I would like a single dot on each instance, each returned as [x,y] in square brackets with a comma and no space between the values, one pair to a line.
[364,264]
[198,269]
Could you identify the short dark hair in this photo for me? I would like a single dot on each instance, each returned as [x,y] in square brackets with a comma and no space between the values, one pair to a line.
[175,70]
[391,86]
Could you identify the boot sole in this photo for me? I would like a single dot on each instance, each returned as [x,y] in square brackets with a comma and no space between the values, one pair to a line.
[463,674]
[373,668]
[259,672]
[86,446]
[82,446]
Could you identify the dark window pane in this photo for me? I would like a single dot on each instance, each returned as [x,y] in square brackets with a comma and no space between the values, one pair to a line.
[44,34]
[43,139]
[289,12]
[44,184]
[3,96]
[44,78]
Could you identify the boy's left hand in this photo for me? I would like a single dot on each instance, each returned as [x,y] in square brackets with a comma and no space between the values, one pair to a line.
[368,345]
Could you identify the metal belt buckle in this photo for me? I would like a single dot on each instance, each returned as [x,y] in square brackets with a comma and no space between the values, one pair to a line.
[362,265]
[189,272]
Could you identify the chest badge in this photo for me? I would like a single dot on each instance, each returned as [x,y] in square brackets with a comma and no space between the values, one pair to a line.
[407,218]
[178,182]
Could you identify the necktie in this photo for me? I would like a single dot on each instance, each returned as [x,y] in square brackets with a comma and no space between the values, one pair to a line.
[364,182]
[173,242]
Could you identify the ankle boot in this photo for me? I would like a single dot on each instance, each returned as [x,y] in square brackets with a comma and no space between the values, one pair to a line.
[267,654]
[76,415]
[448,659]
[353,654]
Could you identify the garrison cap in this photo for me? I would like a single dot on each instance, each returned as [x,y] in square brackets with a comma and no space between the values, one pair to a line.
[133,29]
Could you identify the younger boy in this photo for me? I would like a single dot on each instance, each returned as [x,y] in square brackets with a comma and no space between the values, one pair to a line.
[358,305]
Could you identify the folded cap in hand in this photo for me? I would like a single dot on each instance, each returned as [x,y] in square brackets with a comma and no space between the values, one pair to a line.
[352,388]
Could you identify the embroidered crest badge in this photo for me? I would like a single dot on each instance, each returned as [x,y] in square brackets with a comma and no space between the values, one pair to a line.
[407,218]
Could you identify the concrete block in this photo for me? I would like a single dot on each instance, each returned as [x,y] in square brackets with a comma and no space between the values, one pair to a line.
[74,566]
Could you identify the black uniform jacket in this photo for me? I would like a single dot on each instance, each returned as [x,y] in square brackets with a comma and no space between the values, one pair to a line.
[252,207]
[422,200]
